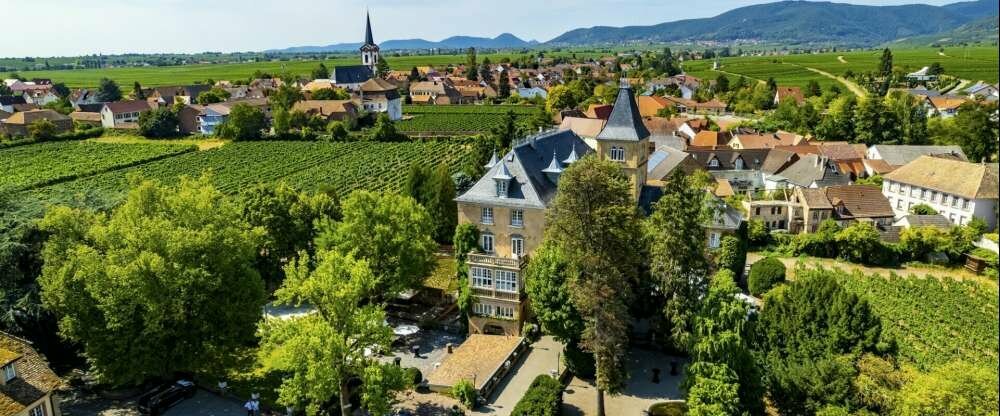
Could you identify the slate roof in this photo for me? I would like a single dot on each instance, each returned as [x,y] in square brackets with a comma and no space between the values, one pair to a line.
[816,169]
[936,221]
[859,201]
[752,158]
[531,187]
[625,123]
[369,40]
[899,155]
[34,377]
[12,99]
[351,74]
[967,180]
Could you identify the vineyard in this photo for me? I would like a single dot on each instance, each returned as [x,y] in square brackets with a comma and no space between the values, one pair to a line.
[31,166]
[458,119]
[935,321]
[236,166]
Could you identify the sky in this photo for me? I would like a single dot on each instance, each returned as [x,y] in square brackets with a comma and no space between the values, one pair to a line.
[82,27]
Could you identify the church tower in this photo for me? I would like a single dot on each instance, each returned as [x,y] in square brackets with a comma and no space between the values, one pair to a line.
[625,139]
[369,51]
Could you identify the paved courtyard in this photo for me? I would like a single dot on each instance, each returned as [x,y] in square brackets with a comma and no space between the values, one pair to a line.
[433,347]
[207,404]
[580,397]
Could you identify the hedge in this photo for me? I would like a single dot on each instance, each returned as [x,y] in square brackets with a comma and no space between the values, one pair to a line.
[765,274]
[543,398]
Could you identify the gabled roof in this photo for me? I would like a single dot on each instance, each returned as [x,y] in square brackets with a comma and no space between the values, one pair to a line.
[664,160]
[324,107]
[530,187]
[814,169]
[859,201]
[899,155]
[935,220]
[127,106]
[814,198]
[352,74]
[650,105]
[28,117]
[34,377]
[583,127]
[625,123]
[967,180]
[752,158]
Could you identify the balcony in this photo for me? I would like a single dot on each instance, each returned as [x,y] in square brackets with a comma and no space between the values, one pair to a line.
[494,261]
[496,294]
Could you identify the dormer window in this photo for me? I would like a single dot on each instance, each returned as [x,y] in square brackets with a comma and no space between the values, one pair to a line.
[502,178]
[9,373]
[502,189]
[714,163]
[738,165]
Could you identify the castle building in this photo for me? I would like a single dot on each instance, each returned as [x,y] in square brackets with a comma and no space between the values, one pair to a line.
[508,204]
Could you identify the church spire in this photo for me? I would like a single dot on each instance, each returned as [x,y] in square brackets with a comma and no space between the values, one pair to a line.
[369,40]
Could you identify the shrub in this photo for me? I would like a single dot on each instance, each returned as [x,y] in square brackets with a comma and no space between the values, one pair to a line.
[732,255]
[465,392]
[765,274]
[158,123]
[923,209]
[757,233]
[543,398]
[856,242]
[42,129]
[414,376]
[918,242]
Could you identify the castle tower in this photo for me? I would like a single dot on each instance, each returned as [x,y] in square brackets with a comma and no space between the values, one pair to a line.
[369,51]
[625,139]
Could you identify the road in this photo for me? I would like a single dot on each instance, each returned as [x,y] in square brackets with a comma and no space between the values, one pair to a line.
[857,90]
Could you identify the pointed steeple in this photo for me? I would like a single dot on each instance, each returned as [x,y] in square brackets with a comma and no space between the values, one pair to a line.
[625,122]
[493,161]
[572,158]
[503,174]
[369,40]
[554,170]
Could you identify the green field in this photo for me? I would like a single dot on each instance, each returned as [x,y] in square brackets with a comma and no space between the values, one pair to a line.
[935,321]
[972,63]
[188,74]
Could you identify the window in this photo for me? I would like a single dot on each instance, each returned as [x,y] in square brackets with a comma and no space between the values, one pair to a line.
[925,194]
[502,188]
[739,164]
[713,240]
[618,154]
[506,281]
[517,246]
[9,373]
[486,216]
[779,210]
[781,224]
[482,309]
[899,204]
[947,199]
[902,189]
[482,277]
[516,218]
[37,410]
[487,243]
[714,163]
[936,197]
[961,220]
[757,211]
[914,192]
[955,202]
[505,312]
[965,204]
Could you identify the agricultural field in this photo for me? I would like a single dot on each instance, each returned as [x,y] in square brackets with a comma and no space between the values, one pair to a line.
[973,63]
[457,119]
[935,321]
[187,74]
[237,166]
[36,165]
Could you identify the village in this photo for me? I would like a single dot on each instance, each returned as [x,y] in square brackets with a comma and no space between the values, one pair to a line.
[609,236]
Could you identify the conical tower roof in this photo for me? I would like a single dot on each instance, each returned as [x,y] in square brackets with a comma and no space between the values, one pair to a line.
[503,174]
[624,123]
[554,165]
[369,40]
[493,161]
[572,158]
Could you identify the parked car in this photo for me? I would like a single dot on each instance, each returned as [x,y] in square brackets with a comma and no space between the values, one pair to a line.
[165,396]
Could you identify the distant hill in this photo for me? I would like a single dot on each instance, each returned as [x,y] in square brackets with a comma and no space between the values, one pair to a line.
[979,30]
[796,22]
[503,41]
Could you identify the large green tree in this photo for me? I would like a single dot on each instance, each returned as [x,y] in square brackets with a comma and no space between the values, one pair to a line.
[108,91]
[976,131]
[165,283]
[288,218]
[158,123]
[545,281]
[595,220]
[322,352]
[244,123]
[677,255]
[393,233]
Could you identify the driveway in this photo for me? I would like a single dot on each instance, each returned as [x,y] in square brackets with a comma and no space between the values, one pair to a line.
[543,359]
[207,404]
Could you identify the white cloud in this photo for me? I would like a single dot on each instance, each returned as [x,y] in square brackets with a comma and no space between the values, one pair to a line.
[74,27]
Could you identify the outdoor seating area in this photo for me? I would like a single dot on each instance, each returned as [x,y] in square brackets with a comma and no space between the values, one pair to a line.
[482,359]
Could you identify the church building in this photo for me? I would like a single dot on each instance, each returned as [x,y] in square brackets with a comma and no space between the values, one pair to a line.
[352,77]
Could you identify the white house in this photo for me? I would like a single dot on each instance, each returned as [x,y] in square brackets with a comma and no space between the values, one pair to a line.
[381,96]
[122,114]
[955,189]
[922,75]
